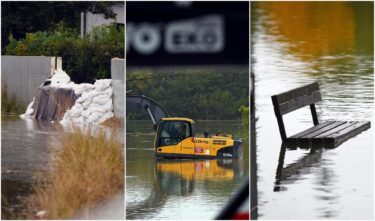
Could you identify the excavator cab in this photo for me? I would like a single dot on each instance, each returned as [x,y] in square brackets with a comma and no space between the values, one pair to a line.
[171,131]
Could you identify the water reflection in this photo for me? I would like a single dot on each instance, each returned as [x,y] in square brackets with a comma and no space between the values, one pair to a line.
[292,172]
[179,178]
[315,29]
[310,163]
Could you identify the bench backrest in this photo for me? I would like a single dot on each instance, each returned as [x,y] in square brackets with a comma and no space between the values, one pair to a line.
[295,99]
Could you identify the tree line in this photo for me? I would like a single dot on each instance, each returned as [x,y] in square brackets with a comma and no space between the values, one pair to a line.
[198,94]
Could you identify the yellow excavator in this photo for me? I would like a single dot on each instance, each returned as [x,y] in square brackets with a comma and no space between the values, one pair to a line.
[175,137]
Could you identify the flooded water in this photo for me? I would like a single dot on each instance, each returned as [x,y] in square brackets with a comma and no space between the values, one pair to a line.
[24,152]
[293,44]
[178,189]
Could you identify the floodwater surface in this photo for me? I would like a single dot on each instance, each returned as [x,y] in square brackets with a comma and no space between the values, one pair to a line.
[178,189]
[293,44]
[25,151]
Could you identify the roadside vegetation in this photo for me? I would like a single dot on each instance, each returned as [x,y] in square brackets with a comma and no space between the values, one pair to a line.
[85,59]
[87,167]
[53,29]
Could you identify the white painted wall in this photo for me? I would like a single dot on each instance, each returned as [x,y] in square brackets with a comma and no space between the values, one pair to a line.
[94,20]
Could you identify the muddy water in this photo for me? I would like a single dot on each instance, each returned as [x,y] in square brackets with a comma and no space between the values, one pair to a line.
[178,189]
[25,148]
[295,43]
[24,151]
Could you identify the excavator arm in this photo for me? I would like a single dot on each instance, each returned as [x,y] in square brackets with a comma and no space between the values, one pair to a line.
[142,104]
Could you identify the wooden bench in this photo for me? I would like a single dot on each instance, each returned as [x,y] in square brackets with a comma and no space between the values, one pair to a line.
[329,134]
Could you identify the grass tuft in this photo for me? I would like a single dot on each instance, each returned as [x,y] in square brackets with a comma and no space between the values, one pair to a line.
[87,168]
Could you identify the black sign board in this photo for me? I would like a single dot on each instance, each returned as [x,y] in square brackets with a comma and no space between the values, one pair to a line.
[187,33]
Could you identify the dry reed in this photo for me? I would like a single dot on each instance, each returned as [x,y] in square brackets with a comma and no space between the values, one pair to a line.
[86,168]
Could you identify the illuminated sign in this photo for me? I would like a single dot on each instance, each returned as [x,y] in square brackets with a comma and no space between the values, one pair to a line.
[170,33]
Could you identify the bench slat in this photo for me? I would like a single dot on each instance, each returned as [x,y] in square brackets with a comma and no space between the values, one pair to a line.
[297,92]
[336,129]
[312,129]
[359,126]
[300,102]
[338,138]
[323,130]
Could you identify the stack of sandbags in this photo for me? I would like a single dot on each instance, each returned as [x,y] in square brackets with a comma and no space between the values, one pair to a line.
[60,79]
[94,105]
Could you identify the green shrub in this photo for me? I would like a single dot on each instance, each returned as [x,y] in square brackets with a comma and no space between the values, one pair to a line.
[84,59]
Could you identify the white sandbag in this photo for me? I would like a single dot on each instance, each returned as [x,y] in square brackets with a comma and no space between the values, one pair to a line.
[79,120]
[69,85]
[77,89]
[79,100]
[60,79]
[83,88]
[74,113]
[94,105]
[100,87]
[107,92]
[31,104]
[103,82]
[29,111]
[86,87]
[100,110]
[93,117]
[77,107]
[86,103]
[106,116]
[100,100]
[108,106]
[91,94]
[86,113]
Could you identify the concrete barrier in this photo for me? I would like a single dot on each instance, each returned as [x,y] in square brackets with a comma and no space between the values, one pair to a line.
[24,74]
[118,85]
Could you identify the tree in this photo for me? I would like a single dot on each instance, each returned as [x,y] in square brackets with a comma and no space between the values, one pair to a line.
[19,18]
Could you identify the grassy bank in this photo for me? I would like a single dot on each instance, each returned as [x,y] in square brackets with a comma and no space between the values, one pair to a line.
[85,169]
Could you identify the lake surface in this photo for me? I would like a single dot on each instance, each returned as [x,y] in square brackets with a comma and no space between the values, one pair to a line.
[178,189]
[293,44]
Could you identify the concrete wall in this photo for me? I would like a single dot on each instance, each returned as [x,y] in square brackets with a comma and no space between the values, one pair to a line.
[118,85]
[24,74]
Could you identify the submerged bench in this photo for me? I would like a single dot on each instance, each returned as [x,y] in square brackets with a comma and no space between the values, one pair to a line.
[330,134]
